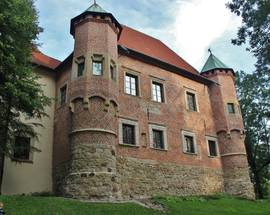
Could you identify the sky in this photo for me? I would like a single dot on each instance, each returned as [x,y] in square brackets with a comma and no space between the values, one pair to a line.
[188,27]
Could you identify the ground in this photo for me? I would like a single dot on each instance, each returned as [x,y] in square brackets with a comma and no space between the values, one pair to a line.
[26,205]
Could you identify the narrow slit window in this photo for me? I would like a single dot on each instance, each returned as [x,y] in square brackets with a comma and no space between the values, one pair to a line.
[81,66]
[63,95]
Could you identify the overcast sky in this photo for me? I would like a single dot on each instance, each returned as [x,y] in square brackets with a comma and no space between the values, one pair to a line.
[189,27]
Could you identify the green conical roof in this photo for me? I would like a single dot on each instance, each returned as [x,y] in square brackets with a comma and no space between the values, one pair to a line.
[96,8]
[213,63]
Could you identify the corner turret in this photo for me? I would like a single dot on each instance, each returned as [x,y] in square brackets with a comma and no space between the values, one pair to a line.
[229,127]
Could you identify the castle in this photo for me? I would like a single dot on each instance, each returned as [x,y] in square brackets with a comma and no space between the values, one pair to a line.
[131,119]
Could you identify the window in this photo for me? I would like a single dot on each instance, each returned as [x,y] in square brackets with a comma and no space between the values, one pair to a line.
[128,132]
[63,95]
[191,101]
[22,148]
[157,92]
[158,137]
[212,146]
[131,85]
[113,72]
[80,69]
[189,142]
[230,107]
[97,68]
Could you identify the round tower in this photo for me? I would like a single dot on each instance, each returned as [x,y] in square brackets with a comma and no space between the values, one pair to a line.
[93,94]
[229,128]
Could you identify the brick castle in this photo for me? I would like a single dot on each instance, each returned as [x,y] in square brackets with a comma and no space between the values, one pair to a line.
[132,119]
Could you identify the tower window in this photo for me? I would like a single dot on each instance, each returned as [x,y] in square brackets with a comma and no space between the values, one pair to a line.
[63,95]
[230,107]
[191,101]
[80,69]
[157,92]
[113,72]
[97,68]
[131,85]
[22,148]
[212,145]
[129,134]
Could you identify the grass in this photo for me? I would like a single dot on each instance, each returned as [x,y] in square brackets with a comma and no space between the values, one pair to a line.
[27,205]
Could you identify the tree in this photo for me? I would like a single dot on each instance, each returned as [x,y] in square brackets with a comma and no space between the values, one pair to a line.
[254,96]
[21,97]
[255,28]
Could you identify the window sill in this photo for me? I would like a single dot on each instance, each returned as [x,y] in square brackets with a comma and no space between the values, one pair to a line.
[189,153]
[213,157]
[156,102]
[192,111]
[21,160]
[137,96]
[162,150]
[127,145]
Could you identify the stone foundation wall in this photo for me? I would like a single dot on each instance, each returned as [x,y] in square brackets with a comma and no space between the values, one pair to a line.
[145,178]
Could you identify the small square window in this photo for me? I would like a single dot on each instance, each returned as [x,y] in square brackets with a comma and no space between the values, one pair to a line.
[129,134]
[212,145]
[63,95]
[131,85]
[191,100]
[80,69]
[97,68]
[158,139]
[157,92]
[230,107]
[22,148]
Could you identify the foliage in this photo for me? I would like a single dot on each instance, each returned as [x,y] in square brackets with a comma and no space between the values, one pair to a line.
[20,93]
[255,27]
[254,97]
[50,205]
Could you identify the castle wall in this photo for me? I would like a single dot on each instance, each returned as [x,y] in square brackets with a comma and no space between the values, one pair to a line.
[22,177]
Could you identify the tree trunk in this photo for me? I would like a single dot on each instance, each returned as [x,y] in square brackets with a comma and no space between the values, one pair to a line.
[3,142]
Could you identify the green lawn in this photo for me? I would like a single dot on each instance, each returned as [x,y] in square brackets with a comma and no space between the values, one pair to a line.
[18,205]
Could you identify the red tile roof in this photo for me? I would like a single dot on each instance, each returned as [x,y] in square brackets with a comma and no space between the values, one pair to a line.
[41,59]
[152,47]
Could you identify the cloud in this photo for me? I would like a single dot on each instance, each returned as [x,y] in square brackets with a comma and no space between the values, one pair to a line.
[198,24]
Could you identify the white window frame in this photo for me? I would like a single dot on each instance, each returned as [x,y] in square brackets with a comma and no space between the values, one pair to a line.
[129,122]
[214,139]
[151,136]
[188,133]
[162,88]
[138,83]
[196,99]
[97,58]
